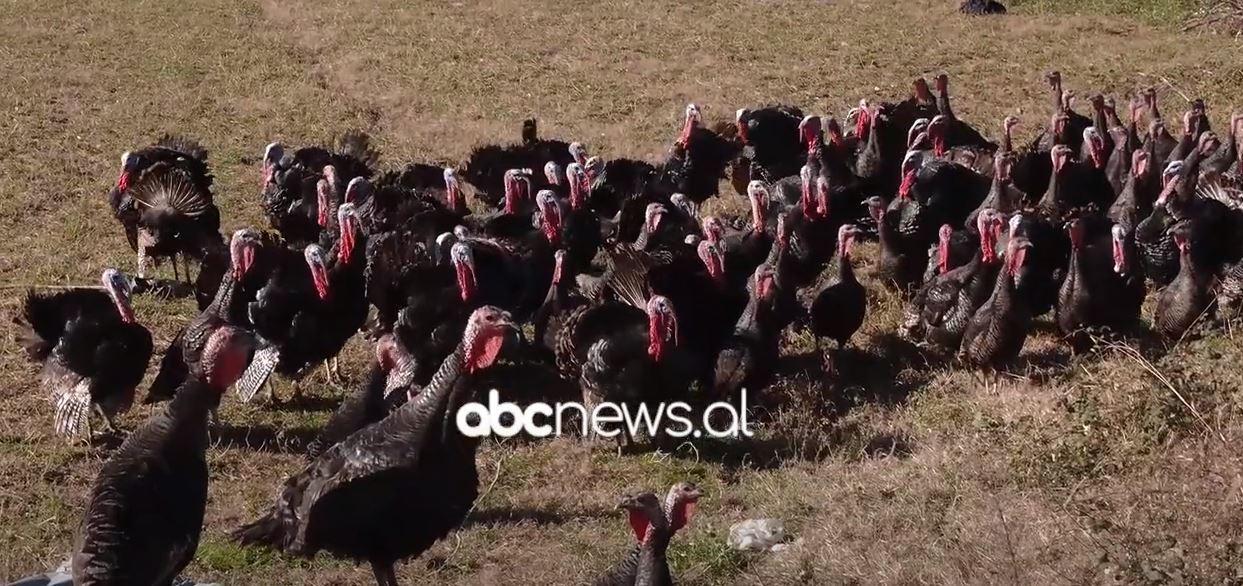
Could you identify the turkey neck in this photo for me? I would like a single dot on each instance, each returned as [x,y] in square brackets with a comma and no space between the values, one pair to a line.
[653,565]
[1003,291]
[943,104]
[845,270]
[871,156]
[188,412]
[1185,190]
[1052,196]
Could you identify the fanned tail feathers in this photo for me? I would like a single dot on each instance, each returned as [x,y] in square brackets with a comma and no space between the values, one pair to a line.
[184,145]
[165,186]
[1232,198]
[626,275]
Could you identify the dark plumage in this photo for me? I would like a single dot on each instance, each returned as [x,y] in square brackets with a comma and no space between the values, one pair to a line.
[292,199]
[749,356]
[998,329]
[654,524]
[982,7]
[238,286]
[163,200]
[93,352]
[839,307]
[392,489]
[306,313]
[1188,297]
[145,510]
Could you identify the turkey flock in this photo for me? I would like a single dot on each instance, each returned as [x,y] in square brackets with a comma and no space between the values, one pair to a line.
[535,265]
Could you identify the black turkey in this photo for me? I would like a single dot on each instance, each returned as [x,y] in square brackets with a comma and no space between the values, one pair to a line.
[92,350]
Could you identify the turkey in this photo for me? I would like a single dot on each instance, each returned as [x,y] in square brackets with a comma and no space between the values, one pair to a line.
[940,311]
[561,301]
[486,166]
[306,314]
[1097,291]
[391,490]
[1227,154]
[92,350]
[238,286]
[743,250]
[654,524]
[1189,296]
[1068,125]
[1159,140]
[145,510]
[998,329]
[291,196]
[698,159]
[959,135]
[839,307]
[624,353]
[580,229]
[1134,202]
[903,252]
[1125,143]
[773,146]
[384,390]
[749,356]
[1218,237]
[163,200]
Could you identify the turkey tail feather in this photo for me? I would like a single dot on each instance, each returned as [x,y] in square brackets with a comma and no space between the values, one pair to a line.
[73,407]
[258,372]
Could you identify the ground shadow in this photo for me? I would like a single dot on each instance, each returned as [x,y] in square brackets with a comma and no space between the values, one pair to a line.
[263,438]
[551,515]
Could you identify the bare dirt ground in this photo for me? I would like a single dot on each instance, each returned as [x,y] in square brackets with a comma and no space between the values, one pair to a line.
[1113,468]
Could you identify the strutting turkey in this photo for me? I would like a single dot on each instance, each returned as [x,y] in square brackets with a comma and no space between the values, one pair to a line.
[163,199]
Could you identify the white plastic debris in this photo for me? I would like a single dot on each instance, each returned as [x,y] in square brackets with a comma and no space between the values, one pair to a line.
[757,534]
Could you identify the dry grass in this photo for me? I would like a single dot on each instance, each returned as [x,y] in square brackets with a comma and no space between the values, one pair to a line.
[1077,470]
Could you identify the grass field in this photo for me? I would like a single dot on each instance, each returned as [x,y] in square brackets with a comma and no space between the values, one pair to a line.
[1119,467]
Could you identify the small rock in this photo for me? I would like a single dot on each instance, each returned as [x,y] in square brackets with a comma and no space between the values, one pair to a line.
[757,534]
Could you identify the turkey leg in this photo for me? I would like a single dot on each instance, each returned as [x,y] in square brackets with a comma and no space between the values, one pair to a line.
[384,574]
